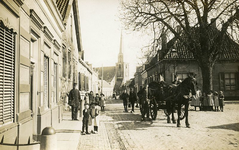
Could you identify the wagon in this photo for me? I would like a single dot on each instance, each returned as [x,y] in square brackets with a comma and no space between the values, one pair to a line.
[159,99]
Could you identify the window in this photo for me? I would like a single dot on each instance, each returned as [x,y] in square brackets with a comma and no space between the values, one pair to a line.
[182,76]
[229,81]
[7,73]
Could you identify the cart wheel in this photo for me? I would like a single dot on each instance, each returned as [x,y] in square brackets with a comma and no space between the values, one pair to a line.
[153,111]
[182,116]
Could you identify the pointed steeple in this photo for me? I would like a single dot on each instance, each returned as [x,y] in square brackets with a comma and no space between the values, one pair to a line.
[120,56]
[120,43]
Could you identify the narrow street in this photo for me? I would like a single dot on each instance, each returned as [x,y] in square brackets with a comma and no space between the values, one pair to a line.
[124,131]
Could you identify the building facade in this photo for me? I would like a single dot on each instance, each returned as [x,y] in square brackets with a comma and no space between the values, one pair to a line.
[175,62]
[41,55]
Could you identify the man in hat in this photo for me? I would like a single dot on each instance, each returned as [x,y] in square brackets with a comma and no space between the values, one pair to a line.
[74,101]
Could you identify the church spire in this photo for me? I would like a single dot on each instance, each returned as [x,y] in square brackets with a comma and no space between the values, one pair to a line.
[120,56]
[121,43]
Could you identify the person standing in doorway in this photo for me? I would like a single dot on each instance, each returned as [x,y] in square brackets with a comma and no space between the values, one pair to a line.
[132,98]
[74,101]
[124,97]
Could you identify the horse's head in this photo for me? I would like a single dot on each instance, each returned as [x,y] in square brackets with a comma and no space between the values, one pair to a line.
[188,85]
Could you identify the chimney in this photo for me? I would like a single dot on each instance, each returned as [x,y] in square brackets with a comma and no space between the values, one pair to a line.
[164,41]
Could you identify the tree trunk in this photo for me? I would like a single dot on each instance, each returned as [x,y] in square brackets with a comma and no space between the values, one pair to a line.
[207,77]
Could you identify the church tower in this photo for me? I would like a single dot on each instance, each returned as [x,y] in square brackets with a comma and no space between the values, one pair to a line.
[122,69]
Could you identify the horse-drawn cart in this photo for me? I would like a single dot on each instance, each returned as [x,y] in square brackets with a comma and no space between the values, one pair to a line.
[161,96]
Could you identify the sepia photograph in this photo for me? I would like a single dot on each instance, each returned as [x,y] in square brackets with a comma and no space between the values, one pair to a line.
[119,74]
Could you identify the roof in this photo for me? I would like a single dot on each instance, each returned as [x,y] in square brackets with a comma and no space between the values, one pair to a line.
[177,51]
[108,73]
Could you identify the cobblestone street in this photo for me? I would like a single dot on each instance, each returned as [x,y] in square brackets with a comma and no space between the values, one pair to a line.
[120,130]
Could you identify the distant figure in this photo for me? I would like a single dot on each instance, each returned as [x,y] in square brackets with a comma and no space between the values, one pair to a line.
[85,121]
[91,97]
[97,99]
[216,101]
[102,102]
[132,99]
[74,101]
[221,100]
[124,96]
[87,99]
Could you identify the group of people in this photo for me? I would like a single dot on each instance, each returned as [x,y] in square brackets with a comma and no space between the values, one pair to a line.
[131,97]
[92,105]
[211,101]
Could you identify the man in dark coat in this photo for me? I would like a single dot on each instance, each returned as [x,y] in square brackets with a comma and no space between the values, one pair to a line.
[124,96]
[74,101]
[132,99]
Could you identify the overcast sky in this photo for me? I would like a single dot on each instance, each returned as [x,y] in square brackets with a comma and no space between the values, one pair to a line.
[100,32]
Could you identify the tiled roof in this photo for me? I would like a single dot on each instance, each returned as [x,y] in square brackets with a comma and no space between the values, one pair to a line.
[177,51]
[108,73]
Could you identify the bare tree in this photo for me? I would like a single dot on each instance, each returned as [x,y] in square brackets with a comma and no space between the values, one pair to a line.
[205,26]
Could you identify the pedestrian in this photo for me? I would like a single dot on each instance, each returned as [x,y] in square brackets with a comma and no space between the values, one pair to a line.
[197,98]
[87,99]
[74,101]
[221,100]
[102,102]
[85,121]
[124,96]
[204,101]
[97,99]
[132,99]
[216,100]
[94,112]
[91,97]
[210,100]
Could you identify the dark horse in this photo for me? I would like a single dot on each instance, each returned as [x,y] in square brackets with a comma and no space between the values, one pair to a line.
[183,95]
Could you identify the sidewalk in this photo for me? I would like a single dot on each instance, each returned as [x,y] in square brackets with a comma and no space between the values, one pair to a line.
[68,132]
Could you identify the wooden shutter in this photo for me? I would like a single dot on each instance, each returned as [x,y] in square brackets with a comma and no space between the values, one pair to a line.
[46,81]
[7,71]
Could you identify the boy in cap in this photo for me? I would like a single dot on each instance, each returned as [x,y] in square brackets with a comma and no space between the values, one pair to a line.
[85,121]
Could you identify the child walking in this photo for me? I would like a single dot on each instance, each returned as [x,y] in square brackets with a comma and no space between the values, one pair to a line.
[85,121]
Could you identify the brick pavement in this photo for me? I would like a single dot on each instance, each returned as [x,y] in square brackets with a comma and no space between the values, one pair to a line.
[124,131]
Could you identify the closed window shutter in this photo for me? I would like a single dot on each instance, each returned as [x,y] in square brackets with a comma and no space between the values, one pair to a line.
[46,70]
[7,65]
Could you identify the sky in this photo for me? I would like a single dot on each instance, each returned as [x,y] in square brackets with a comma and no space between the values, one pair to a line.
[100,31]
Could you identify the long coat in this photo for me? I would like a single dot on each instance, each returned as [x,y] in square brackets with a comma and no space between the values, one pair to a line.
[74,98]
[132,97]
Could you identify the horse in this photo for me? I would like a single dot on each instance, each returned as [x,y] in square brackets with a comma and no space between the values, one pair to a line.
[183,95]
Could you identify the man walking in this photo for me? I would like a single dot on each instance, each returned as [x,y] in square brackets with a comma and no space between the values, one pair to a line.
[74,101]
[132,99]
[125,97]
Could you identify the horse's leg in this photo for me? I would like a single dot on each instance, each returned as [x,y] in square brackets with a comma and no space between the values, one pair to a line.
[173,110]
[186,115]
[179,114]
[168,111]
